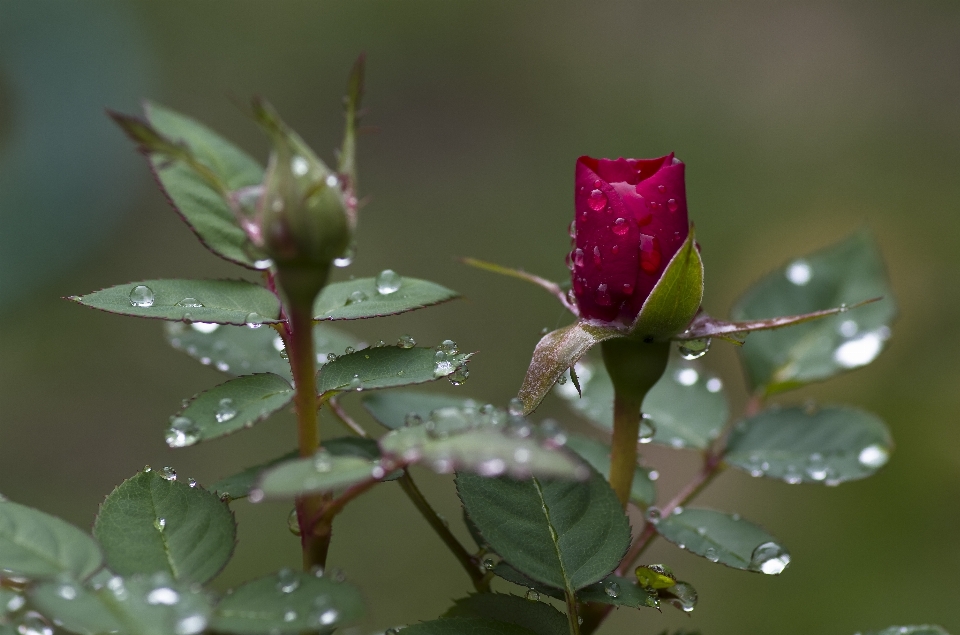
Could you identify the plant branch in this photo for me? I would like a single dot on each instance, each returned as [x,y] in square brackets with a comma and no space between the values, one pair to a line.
[345,418]
[550,287]
[439,525]
[573,617]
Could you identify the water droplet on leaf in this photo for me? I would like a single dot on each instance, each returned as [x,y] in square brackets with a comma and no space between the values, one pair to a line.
[769,558]
[141,296]
[226,411]
[388,281]
[168,473]
[694,349]
[182,432]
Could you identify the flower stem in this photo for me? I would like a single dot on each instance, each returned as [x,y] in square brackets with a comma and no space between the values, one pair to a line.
[439,525]
[315,527]
[623,447]
[573,617]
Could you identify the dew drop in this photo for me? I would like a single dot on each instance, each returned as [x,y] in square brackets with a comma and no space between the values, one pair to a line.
[405,341]
[388,281]
[489,564]
[620,227]
[263,263]
[597,200]
[672,204]
[459,376]
[163,595]
[190,303]
[792,475]
[182,432]
[612,589]
[67,591]
[346,259]
[799,272]
[769,558]
[653,515]
[204,327]
[322,462]
[711,554]
[253,320]
[515,407]
[532,594]
[355,383]
[860,351]
[627,289]
[225,411]
[168,473]
[647,429]
[356,297]
[650,255]
[661,188]
[141,296]
[299,165]
[873,456]
[32,623]
[160,524]
[289,616]
[287,581]
[685,597]
[578,257]
[412,419]
[597,260]
[222,366]
[694,349]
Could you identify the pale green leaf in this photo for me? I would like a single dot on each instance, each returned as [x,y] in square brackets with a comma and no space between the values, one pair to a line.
[358,299]
[538,617]
[386,367]
[36,545]
[390,408]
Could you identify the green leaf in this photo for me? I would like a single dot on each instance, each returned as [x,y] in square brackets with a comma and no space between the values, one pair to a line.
[239,350]
[613,589]
[597,454]
[724,538]
[323,472]
[555,353]
[203,208]
[676,297]
[562,533]
[223,301]
[845,273]
[687,407]
[241,484]
[538,617]
[465,626]
[390,409]
[10,601]
[911,630]
[36,545]
[234,405]
[287,602]
[154,605]
[386,367]
[152,523]
[359,299]
[803,445]
[474,440]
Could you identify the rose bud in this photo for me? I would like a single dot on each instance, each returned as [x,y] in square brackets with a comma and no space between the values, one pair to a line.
[631,218]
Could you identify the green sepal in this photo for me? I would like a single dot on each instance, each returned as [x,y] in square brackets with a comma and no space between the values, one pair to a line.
[676,297]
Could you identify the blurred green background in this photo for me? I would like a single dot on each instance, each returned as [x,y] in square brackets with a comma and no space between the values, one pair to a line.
[799,123]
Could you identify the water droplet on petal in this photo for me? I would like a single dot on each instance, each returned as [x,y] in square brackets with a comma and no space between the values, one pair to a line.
[769,558]
[597,260]
[141,296]
[661,188]
[799,272]
[672,204]
[578,257]
[628,289]
[388,281]
[694,349]
[650,255]
[621,227]
[226,411]
[597,200]
[603,296]
[873,456]
[182,432]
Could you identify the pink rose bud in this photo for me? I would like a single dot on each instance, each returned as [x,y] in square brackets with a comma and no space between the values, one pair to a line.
[631,218]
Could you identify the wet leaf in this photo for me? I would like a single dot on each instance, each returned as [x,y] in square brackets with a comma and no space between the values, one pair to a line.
[287,602]
[688,406]
[145,605]
[597,454]
[538,617]
[724,538]
[202,207]
[390,409]
[239,485]
[676,297]
[555,353]
[359,299]
[613,589]
[565,534]
[845,273]
[208,301]
[323,472]
[810,445]
[386,367]
[465,626]
[152,523]
[911,630]
[36,545]
[239,350]
[237,404]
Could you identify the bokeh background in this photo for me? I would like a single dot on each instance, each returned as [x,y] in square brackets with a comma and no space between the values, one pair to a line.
[800,122]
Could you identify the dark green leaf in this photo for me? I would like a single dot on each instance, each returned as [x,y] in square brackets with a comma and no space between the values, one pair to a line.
[687,407]
[911,630]
[563,533]
[845,273]
[239,485]
[358,299]
[234,405]
[154,605]
[288,602]
[538,617]
[391,408]
[597,454]
[238,350]
[676,297]
[613,589]
[465,626]
[205,209]
[323,472]
[153,523]
[386,367]
[724,538]
[809,445]
[223,301]
[36,545]
[477,441]
[555,353]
